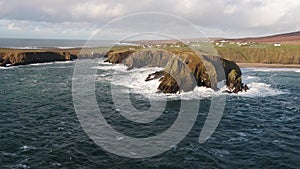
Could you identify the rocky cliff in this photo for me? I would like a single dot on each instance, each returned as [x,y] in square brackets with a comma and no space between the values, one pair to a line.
[24,58]
[182,70]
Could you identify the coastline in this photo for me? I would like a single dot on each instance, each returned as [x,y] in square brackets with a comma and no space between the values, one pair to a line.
[265,65]
[86,53]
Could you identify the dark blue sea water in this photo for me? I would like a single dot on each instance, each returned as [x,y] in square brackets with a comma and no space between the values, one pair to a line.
[39,127]
[19,43]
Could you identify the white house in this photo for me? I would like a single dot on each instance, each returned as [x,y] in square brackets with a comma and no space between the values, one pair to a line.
[224,41]
[277,44]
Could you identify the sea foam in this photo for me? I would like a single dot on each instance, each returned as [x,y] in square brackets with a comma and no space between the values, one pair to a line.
[297,70]
[133,81]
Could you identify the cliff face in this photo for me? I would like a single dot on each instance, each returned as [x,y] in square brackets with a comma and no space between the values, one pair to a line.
[138,59]
[183,70]
[25,58]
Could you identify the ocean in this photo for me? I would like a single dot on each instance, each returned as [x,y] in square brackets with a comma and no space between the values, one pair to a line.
[23,43]
[40,127]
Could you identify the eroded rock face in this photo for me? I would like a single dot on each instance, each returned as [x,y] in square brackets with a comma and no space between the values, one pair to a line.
[138,59]
[182,70]
[234,82]
[25,58]
[155,75]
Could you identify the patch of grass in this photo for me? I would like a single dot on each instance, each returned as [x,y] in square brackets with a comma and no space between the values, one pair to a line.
[261,53]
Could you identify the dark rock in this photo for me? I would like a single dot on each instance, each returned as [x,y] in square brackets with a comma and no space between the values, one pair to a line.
[183,70]
[246,88]
[155,75]
[24,58]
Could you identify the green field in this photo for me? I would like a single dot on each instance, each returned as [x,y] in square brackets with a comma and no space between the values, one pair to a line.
[250,53]
[260,53]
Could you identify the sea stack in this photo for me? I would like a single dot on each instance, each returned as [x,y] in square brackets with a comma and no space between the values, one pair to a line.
[24,58]
[182,70]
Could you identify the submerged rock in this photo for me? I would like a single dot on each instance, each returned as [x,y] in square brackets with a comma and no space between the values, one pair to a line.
[155,75]
[182,70]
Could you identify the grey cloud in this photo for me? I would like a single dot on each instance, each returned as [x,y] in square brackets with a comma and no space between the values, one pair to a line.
[232,17]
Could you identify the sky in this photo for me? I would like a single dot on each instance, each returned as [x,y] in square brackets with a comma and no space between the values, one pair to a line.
[79,19]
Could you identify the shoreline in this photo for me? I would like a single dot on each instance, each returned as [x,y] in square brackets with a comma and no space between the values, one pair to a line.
[265,65]
[86,53]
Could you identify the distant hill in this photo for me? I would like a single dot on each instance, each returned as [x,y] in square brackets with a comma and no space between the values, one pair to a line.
[170,41]
[292,38]
[264,51]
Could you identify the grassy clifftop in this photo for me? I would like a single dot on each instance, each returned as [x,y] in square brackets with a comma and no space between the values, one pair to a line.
[182,70]
[262,53]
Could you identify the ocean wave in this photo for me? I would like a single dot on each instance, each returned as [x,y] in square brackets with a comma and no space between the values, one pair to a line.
[297,70]
[68,47]
[257,89]
[25,47]
[49,63]
[133,81]
[39,64]
[45,47]
[5,68]
[249,79]
[116,67]
[101,62]
[63,62]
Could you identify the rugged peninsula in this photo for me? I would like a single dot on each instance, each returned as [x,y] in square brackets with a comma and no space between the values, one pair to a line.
[15,57]
[182,70]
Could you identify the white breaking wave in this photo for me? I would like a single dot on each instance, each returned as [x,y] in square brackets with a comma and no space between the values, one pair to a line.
[26,47]
[133,81]
[260,90]
[49,63]
[247,79]
[4,68]
[297,70]
[68,47]
[63,62]
[39,64]
[116,67]
[200,92]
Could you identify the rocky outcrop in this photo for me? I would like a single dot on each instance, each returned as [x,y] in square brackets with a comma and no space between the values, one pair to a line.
[234,82]
[141,58]
[183,70]
[24,58]
[155,75]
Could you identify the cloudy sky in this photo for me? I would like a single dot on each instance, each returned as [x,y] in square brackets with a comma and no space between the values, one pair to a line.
[78,19]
